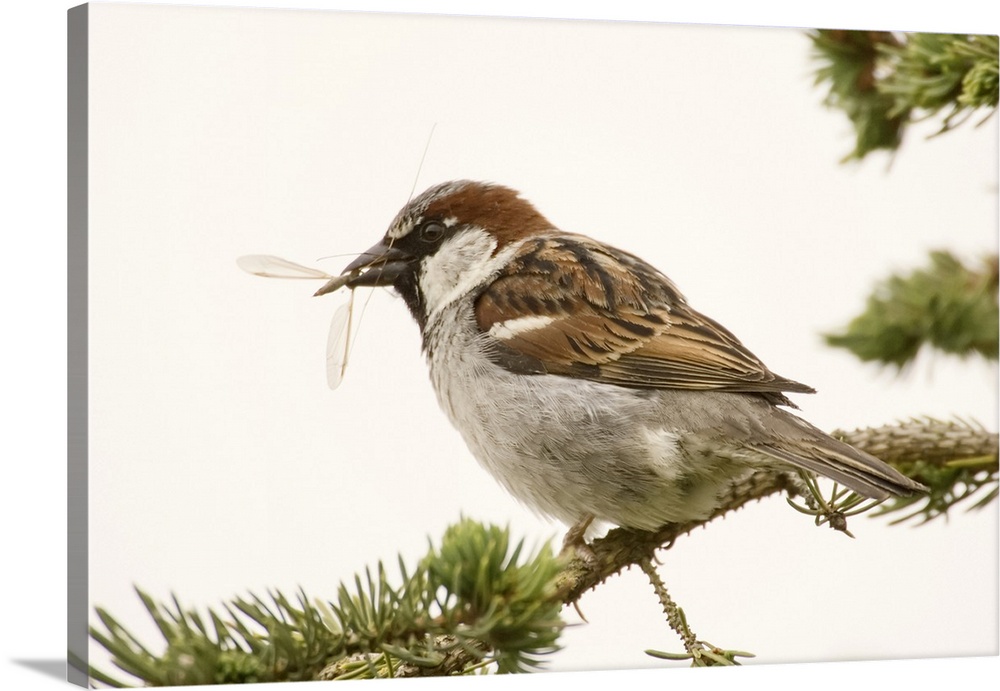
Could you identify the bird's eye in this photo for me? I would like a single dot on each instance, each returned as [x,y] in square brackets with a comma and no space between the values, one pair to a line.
[431,232]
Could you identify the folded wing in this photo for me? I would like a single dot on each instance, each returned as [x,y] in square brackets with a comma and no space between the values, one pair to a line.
[567,305]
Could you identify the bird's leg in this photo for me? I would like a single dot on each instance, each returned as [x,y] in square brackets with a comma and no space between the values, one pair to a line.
[574,541]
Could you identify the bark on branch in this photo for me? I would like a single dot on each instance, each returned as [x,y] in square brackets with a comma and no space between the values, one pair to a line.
[928,441]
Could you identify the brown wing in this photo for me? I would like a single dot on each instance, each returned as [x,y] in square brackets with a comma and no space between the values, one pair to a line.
[568,305]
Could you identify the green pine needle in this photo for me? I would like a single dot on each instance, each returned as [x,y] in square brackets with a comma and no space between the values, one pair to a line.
[946,305]
[475,599]
[956,459]
[849,61]
[883,81]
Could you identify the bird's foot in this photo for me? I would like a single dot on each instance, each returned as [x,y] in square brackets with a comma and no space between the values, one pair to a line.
[575,544]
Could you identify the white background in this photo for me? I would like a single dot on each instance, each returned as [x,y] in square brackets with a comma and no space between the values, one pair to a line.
[222,464]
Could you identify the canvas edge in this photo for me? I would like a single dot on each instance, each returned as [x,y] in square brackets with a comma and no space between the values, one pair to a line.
[78,601]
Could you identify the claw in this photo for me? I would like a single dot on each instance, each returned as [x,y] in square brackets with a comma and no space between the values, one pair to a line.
[574,542]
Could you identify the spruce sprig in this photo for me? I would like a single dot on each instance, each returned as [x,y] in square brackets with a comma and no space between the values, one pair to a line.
[480,603]
[849,63]
[945,305]
[956,459]
[476,600]
[884,81]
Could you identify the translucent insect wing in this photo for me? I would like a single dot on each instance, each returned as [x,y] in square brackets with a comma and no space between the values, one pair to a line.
[338,343]
[270,266]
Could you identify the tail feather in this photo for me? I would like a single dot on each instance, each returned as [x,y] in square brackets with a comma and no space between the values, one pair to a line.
[851,467]
[862,472]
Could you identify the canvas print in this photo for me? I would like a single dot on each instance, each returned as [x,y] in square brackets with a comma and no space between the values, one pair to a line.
[411,345]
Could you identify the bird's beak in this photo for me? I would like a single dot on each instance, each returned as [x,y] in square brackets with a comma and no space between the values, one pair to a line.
[379,265]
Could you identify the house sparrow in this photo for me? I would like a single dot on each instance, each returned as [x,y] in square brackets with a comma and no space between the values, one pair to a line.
[578,374]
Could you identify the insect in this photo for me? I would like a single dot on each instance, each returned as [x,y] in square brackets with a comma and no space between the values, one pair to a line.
[338,342]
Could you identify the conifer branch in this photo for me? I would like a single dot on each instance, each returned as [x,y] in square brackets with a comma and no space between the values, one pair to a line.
[946,305]
[700,653]
[955,459]
[884,81]
[476,599]
[478,602]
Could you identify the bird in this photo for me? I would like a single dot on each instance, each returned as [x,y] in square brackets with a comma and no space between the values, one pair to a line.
[579,376]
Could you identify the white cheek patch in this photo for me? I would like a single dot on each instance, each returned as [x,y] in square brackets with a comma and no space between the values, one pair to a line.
[507,330]
[463,262]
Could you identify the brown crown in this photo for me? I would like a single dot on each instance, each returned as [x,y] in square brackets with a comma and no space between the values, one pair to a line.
[495,208]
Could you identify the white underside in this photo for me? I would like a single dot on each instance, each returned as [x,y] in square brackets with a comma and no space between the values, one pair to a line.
[571,448]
